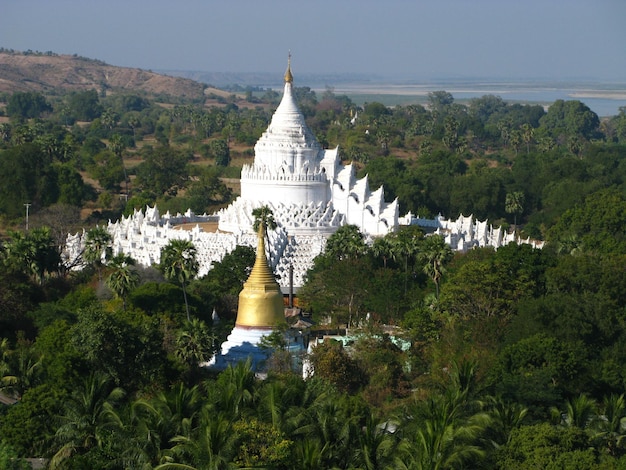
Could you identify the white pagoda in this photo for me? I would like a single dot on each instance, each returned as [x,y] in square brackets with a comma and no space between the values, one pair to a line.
[308,189]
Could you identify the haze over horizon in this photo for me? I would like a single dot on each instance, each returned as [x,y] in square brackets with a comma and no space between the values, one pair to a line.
[396,39]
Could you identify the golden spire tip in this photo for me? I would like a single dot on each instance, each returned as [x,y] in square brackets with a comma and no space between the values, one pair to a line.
[288,74]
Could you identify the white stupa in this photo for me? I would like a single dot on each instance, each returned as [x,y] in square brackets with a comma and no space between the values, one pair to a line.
[308,189]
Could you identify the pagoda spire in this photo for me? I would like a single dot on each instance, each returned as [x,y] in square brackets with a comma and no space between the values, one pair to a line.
[288,74]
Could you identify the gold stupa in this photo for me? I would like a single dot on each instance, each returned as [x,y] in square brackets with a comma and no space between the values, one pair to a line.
[260,301]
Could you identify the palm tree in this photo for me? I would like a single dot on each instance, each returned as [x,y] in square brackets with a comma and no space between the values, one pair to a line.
[179,263]
[264,216]
[570,244]
[435,253]
[88,418]
[97,246]
[504,418]
[446,437]
[405,245]
[20,368]
[346,243]
[208,446]
[514,204]
[33,252]
[579,412]
[330,422]
[117,146]
[383,248]
[527,135]
[194,343]
[611,425]
[235,391]
[155,422]
[308,454]
[376,447]
[123,278]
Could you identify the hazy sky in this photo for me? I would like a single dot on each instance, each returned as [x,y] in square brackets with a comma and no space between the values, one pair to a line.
[418,39]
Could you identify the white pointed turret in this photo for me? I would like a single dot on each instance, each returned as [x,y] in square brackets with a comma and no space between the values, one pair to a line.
[287,158]
[307,187]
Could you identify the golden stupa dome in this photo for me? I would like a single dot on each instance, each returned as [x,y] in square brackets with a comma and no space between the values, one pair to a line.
[260,301]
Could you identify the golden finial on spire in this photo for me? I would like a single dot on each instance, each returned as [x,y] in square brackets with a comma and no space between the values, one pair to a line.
[288,75]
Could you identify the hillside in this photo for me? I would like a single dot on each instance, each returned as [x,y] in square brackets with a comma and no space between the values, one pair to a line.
[40,72]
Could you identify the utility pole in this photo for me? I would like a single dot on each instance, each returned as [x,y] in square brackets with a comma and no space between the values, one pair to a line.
[27,205]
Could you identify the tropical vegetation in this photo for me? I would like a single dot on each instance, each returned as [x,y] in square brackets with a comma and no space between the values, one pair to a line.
[507,359]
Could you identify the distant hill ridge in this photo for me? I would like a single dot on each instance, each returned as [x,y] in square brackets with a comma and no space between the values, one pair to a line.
[44,72]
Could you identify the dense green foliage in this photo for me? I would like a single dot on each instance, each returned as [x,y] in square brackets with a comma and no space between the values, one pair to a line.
[502,359]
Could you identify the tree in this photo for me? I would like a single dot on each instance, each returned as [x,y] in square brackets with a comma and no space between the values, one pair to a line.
[88,419]
[377,448]
[346,243]
[445,438]
[599,223]
[108,170]
[446,429]
[27,428]
[9,460]
[207,191]
[263,215]
[435,253]
[546,446]
[27,105]
[26,176]
[98,248]
[611,426]
[194,343]
[128,348]
[383,248]
[34,252]
[440,101]
[117,146]
[163,171]
[235,391]
[109,118]
[406,245]
[261,445]
[123,278]
[537,372]
[333,364]
[20,368]
[72,189]
[569,119]
[487,284]
[225,280]
[337,288]
[179,263]
[527,135]
[580,412]
[85,106]
[219,151]
[208,446]
[514,204]
[5,132]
